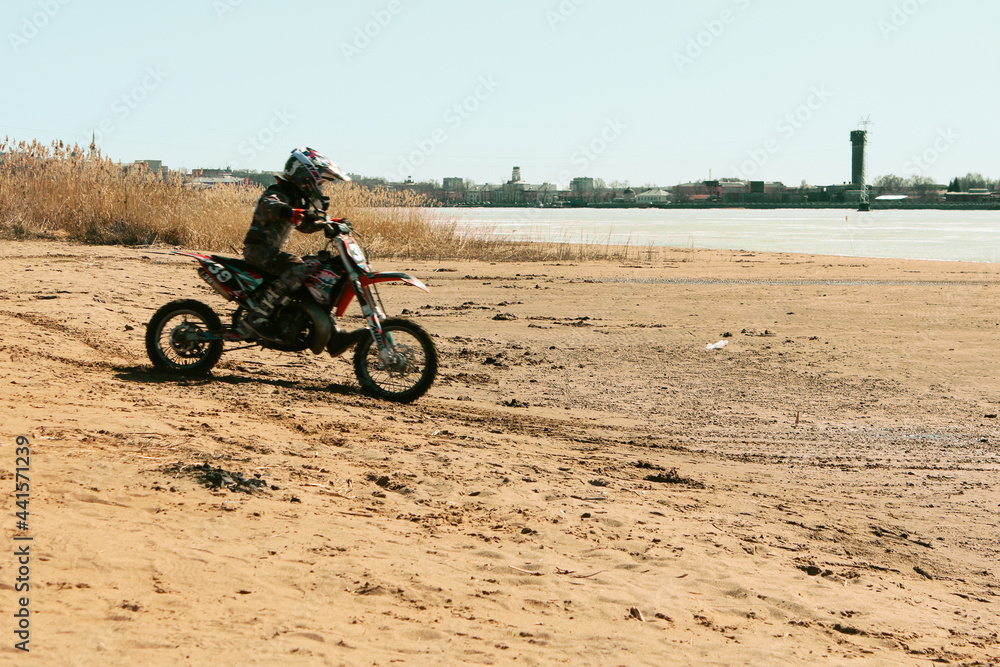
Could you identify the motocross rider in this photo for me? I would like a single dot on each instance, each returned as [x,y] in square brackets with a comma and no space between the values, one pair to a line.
[295,201]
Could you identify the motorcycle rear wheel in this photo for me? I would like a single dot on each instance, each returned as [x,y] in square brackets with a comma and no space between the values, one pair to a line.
[167,333]
[411,371]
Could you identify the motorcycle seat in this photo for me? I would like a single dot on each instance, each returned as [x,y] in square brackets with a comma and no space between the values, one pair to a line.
[241,264]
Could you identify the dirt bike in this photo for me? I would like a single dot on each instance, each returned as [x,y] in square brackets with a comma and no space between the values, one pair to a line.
[394,359]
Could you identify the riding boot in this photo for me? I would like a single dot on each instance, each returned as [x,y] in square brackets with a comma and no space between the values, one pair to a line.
[342,340]
[339,339]
[258,320]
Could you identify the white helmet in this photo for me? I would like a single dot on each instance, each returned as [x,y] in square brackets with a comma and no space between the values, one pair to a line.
[307,170]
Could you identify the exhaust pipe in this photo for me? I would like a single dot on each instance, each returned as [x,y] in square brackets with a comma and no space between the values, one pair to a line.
[322,327]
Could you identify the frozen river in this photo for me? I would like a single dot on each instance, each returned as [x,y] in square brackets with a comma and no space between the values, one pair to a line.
[972,236]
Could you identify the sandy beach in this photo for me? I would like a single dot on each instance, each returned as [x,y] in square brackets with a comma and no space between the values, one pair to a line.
[585,484]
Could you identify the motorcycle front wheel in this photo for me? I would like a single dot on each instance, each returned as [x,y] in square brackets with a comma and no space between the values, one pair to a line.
[410,370]
[174,337]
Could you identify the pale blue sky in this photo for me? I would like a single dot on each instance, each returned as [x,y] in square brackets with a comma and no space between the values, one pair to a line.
[637,90]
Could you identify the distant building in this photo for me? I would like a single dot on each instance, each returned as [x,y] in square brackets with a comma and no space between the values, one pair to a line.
[210,173]
[540,195]
[653,196]
[480,194]
[155,166]
[973,196]
[516,192]
[582,190]
[203,179]
[453,190]
[698,191]
[423,189]
[732,192]
[736,191]
[206,182]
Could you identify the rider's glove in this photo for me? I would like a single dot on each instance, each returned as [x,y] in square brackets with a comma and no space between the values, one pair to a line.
[301,216]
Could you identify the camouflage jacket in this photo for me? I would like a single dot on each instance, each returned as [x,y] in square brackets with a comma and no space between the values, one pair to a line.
[272,219]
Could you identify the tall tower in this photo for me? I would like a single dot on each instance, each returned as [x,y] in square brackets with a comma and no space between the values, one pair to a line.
[859,162]
[515,176]
[859,142]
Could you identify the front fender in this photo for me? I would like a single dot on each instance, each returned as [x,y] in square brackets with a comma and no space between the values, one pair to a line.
[392,276]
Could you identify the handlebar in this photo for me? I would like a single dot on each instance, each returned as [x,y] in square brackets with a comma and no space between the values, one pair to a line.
[337,226]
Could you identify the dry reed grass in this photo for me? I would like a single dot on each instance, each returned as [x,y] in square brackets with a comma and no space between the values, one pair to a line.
[63,191]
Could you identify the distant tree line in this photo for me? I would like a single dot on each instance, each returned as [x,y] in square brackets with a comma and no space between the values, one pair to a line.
[971,182]
[892,184]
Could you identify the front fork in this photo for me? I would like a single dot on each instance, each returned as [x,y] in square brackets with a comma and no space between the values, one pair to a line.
[374,317]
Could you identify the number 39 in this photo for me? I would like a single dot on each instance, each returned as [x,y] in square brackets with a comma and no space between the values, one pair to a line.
[220,273]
